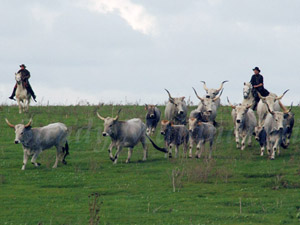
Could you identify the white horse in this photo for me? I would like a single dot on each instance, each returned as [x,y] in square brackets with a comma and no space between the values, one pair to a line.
[248,95]
[22,95]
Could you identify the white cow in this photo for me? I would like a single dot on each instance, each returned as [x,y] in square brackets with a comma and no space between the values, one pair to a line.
[35,140]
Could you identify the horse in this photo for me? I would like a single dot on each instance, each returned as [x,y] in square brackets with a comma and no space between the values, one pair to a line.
[248,94]
[22,95]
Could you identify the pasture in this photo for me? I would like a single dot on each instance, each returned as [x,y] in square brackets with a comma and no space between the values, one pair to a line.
[235,187]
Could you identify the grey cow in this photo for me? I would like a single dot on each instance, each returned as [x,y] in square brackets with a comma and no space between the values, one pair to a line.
[176,109]
[244,124]
[35,140]
[212,93]
[274,126]
[261,136]
[199,134]
[288,127]
[152,118]
[126,134]
[207,108]
[174,135]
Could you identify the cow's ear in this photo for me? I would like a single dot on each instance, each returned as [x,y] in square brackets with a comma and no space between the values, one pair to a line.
[28,128]
[286,115]
[171,123]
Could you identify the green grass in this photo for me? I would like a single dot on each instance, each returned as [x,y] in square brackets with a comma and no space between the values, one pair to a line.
[234,188]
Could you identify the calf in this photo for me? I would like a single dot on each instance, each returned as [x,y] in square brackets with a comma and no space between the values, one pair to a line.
[200,133]
[261,136]
[274,126]
[152,118]
[174,135]
[245,122]
[35,140]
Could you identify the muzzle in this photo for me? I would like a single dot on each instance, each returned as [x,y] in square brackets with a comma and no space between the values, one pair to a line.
[104,134]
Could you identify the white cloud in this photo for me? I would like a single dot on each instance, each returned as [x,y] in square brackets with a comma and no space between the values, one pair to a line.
[135,15]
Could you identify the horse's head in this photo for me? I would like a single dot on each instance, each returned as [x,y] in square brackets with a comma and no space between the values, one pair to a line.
[18,77]
[247,90]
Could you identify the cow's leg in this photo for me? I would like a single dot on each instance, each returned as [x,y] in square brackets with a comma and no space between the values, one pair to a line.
[170,150]
[191,149]
[176,150]
[210,148]
[34,157]
[129,155]
[58,156]
[20,106]
[237,139]
[262,149]
[145,149]
[198,146]
[25,159]
[110,151]
[201,147]
[119,149]
[250,139]
[244,137]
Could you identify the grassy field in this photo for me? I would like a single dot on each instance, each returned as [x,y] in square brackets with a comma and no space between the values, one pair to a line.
[234,187]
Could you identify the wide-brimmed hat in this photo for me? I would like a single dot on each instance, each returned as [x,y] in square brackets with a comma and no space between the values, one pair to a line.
[23,65]
[256,68]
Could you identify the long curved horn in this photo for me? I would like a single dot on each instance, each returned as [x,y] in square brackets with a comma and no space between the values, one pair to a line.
[204,85]
[216,98]
[201,99]
[260,96]
[170,97]
[232,106]
[269,109]
[100,117]
[280,97]
[9,124]
[284,109]
[287,111]
[222,85]
[117,117]
[29,123]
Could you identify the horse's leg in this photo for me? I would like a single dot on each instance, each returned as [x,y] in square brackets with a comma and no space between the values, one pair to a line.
[20,106]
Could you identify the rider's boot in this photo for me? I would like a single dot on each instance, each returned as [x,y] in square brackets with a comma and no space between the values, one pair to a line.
[13,94]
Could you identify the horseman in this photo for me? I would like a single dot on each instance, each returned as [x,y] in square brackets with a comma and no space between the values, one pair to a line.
[25,79]
[257,82]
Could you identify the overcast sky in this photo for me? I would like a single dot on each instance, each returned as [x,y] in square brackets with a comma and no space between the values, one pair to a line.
[118,51]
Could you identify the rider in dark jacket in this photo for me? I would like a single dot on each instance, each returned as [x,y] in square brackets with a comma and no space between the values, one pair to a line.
[257,82]
[25,78]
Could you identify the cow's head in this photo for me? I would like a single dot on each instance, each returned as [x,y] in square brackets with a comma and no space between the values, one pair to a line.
[21,130]
[257,132]
[207,103]
[179,103]
[247,90]
[165,125]
[241,111]
[212,93]
[109,124]
[193,123]
[150,110]
[271,99]
[279,118]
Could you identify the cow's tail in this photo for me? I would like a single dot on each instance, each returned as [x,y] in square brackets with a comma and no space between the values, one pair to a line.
[155,146]
[66,152]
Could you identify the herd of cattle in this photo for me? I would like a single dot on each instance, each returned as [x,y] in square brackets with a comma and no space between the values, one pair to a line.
[273,129]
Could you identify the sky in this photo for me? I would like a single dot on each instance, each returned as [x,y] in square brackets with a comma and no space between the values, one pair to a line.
[129,51]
